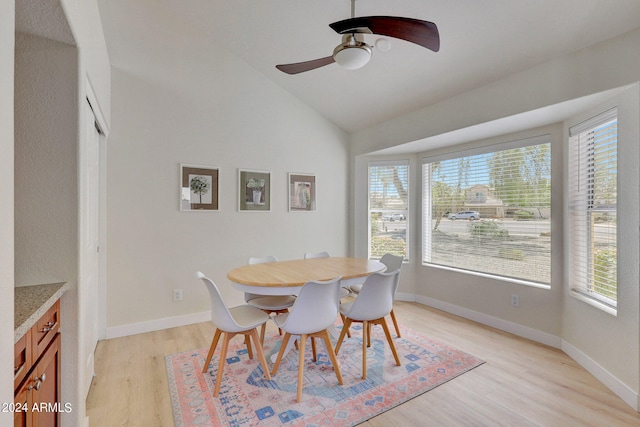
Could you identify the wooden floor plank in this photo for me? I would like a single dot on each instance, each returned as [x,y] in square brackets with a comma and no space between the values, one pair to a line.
[522,383]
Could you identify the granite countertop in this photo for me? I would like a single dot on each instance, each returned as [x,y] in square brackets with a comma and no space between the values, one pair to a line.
[31,302]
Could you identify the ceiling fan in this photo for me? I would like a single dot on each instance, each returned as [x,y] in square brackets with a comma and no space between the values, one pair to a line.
[354,53]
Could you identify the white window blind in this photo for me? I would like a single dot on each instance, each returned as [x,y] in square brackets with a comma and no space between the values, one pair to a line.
[508,186]
[388,208]
[593,173]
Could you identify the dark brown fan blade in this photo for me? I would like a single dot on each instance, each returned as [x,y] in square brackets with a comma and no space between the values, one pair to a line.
[300,67]
[424,33]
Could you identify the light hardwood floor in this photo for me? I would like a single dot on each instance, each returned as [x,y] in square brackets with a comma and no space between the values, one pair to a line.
[522,383]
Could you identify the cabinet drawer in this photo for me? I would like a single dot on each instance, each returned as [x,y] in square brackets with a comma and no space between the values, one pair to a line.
[40,391]
[21,416]
[45,330]
[46,386]
[22,359]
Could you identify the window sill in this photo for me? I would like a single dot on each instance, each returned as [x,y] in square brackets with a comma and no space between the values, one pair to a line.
[594,303]
[490,276]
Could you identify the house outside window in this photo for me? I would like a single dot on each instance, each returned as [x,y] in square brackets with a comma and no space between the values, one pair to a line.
[593,191]
[388,208]
[487,211]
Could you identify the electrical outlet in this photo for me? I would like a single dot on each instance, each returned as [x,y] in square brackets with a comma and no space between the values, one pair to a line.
[515,300]
[177,295]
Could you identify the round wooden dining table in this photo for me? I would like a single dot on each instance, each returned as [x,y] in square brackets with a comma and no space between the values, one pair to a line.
[288,277]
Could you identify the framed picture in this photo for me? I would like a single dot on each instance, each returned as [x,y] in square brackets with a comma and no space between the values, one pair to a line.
[254,190]
[302,192]
[199,188]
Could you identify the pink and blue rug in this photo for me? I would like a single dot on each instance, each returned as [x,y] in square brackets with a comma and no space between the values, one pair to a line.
[247,399]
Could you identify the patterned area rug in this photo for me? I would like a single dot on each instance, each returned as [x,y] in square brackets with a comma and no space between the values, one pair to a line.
[247,399]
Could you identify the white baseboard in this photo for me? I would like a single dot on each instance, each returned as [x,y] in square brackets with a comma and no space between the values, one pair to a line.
[186,319]
[405,297]
[157,325]
[630,397]
[494,322]
[619,388]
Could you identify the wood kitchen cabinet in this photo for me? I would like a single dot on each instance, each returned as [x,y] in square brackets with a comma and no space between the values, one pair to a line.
[22,359]
[37,398]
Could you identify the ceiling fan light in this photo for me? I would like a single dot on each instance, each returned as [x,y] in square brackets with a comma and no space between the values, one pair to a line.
[352,57]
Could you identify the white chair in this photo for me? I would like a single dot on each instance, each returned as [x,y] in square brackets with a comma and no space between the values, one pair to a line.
[308,255]
[277,304]
[373,303]
[393,263]
[243,319]
[344,292]
[313,313]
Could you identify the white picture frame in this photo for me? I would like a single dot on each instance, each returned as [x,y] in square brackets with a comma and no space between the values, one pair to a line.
[254,190]
[302,192]
[199,188]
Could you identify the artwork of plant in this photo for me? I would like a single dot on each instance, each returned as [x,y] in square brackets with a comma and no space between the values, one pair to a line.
[254,190]
[200,186]
[304,198]
[255,184]
[302,192]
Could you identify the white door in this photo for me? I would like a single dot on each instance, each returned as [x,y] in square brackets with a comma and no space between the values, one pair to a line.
[90,233]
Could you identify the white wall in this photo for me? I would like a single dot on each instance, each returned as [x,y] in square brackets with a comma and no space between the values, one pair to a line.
[607,65]
[84,19]
[210,110]
[45,161]
[7,23]
[540,309]
[612,341]
[46,171]
[607,346]
[50,84]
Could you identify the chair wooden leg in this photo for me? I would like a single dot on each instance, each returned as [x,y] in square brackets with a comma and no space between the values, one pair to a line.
[223,355]
[313,349]
[395,323]
[303,339]
[383,322]
[332,355]
[369,334]
[345,328]
[247,342]
[365,338]
[259,350]
[343,321]
[263,331]
[285,341]
[214,343]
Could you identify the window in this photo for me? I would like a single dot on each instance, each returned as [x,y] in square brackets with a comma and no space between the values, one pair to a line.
[487,211]
[593,173]
[388,208]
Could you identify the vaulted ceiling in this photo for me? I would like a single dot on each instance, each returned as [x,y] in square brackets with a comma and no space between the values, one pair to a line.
[481,42]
